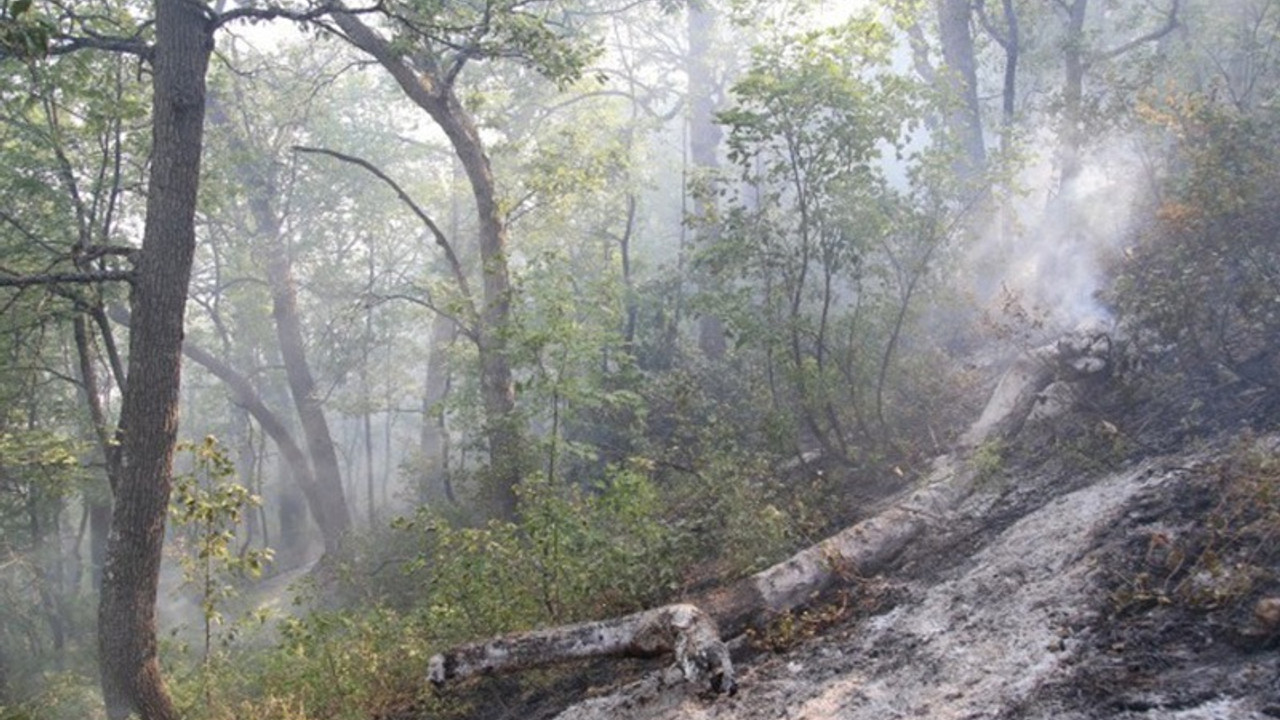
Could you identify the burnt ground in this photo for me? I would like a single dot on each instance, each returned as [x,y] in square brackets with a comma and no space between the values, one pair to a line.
[1185,571]
[1110,565]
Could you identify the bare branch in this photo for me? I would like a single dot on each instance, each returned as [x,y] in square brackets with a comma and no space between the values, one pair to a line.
[426,302]
[277,13]
[69,278]
[64,44]
[1170,24]
[455,266]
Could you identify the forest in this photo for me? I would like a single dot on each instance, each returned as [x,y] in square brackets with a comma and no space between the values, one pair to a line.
[336,334]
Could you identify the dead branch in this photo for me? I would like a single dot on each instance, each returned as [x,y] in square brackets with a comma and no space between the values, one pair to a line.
[66,278]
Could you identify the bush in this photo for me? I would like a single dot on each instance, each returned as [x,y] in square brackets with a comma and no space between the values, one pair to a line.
[1203,276]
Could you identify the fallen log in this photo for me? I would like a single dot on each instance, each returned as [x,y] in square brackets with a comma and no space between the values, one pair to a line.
[681,629]
[693,629]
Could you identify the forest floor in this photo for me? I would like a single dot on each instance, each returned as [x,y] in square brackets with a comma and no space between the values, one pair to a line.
[1041,596]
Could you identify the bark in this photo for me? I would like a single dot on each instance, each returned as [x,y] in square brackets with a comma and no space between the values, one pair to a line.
[1076,62]
[1073,65]
[97,507]
[334,517]
[1009,38]
[422,83]
[965,121]
[704,146]
[131,678]
[682,629]
[437,490]
[864,549]
[322,480]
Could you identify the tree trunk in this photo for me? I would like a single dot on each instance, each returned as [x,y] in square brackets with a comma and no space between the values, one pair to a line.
[704,147]
[334,517]
[436,489]
[131,679]
[97,501]
[1070,137]
[681,629]
[965,120]
[508,458]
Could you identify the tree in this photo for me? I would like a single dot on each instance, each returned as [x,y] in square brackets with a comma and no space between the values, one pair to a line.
[955,20]
[704,148]
[1079,56]
[823,229]
[131,678]
[439,46]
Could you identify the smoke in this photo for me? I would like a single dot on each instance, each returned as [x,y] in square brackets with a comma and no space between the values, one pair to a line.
[1046,245]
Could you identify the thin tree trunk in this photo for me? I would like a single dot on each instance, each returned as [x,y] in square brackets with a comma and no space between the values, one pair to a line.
[335,518]
[434,439]
[508,456]
[704,145]
[1070,132]
[97,504]
[367,391]
[965,121]
[131,678]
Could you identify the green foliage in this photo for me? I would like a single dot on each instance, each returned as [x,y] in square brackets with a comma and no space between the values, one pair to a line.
[42,615]
[824,258]
[22,34]
[988,461]
[543,35]
[61,695]
[1201,280]
[207,508]
[576,554]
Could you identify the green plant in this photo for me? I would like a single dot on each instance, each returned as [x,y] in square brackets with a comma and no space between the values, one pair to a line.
[988,461]
[206,508]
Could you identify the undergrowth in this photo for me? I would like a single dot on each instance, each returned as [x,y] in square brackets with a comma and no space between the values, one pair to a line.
[426,584]
[1227,553]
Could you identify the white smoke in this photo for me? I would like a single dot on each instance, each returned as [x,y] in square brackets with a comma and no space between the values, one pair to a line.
[1046,245]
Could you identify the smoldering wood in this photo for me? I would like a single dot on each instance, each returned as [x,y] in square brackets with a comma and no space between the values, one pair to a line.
[693,630]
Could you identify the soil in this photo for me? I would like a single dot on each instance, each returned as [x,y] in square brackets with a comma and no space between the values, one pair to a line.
[1104,568]
[1008,611]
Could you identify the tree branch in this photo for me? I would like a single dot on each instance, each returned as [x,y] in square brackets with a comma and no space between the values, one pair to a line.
[277,13]
[78,278]
[1170,24]
[1001,39]
[455,266]
[131,45]
[463,327]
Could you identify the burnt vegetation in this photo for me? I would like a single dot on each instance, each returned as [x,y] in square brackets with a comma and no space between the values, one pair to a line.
[338,338]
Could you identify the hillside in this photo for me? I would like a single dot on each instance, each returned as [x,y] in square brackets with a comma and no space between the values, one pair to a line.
[1081,578]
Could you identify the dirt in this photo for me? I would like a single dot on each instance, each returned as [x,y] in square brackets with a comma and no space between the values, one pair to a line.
[1008,610]
[1103,568]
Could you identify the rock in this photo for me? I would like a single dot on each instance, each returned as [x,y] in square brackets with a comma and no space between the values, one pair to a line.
[1267,614]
